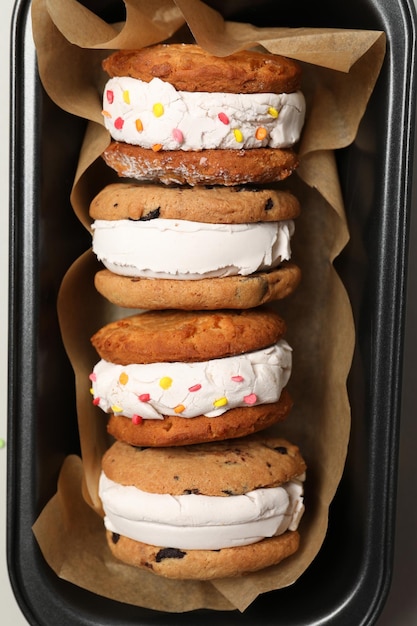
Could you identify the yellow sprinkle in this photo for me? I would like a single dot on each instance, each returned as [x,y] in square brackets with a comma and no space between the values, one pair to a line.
[123,378]
[179,408]
[116,409]
[220,402]
[273,112]
[158,109]
[238,135]
[126,96]
[157,147]
[92,391]
[139,125]
[106,114]
[165,382]
[261,133]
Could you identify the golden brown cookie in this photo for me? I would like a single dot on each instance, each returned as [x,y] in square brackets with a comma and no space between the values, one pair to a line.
[177,431]
[221,468]
[215,205]
[189,67]
[168,336]
[207,167]
[204,564]
[231,292]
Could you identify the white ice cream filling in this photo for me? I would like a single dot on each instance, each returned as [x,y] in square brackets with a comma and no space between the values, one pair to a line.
[209,388]
[198,522]
[155,115]
[182,249]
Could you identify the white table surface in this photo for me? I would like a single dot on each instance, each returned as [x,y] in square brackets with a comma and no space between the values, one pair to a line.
[401,606]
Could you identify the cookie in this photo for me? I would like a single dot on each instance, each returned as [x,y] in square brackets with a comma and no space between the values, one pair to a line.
[232,292]
[169,336]
[203,511]
[190,68]
[208,167]
[215,205]
[182,377]
[174,431]
[204,564]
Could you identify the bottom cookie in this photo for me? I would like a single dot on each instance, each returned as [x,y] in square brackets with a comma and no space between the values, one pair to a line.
[232,292]
[178,431]
[204,564]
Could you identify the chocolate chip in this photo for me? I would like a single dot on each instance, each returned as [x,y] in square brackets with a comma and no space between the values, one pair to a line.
[268,464]
[115,204]
[115,537]
[169,553]
[227,492]
[190,491]
[176,477]
[269,204]
[281,450]
[152,215]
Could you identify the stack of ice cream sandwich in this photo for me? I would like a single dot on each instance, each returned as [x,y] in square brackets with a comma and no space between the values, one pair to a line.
[197,241]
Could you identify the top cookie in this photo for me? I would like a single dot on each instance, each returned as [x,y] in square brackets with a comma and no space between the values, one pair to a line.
[212,205]
[190,68]
[223,468]
[169,336]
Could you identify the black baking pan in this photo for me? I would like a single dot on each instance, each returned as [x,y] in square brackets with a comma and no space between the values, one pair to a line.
[347,583]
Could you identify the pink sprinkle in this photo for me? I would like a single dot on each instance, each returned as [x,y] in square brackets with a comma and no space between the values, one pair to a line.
[238,379]
[96,401]
[92,376]
[194,388]
[118,123]
[250,399]
[144,397]
[223,118]
[110,96]
[177,135]
[137,419]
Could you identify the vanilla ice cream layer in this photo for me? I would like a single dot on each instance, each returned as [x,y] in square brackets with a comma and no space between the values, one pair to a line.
[181,249]
[155,115]
[209,388]
[197,522]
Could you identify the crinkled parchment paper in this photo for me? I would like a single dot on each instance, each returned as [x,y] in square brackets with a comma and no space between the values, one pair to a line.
[340,71]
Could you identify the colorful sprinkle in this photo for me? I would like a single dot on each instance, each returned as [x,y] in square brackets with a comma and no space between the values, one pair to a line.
[2,443]
[238,135]
[158,109]
[157,147]
[223,118]
[144,397]
[92,391]
[110,96]
[106,114]
[180,408]
[123,378]
[118,123]
[137,419]
[273,112]
[220,402]
[261,133]
[139,125]
[238,379]
[250,399]
[165,382]
[194,388]
[96,401]
[93,376]
[178,135]
[116,408]
[126,96]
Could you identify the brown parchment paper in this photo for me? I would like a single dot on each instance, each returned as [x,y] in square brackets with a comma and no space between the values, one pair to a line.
[340,71]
